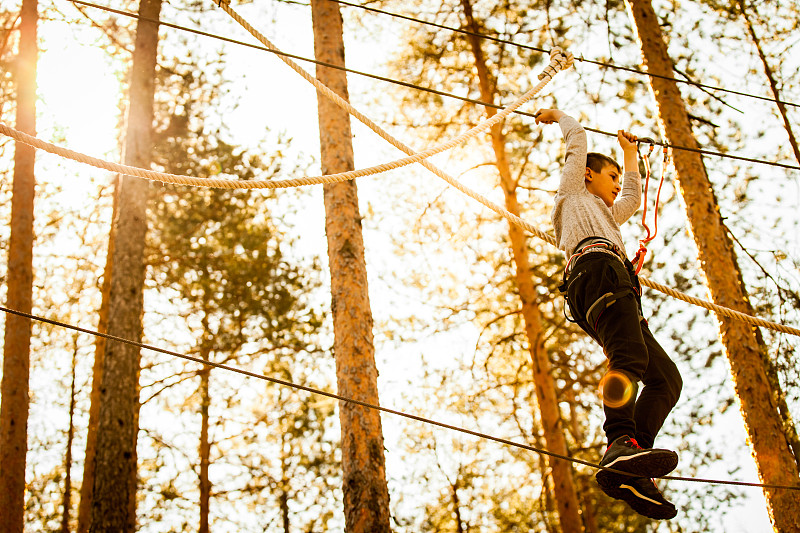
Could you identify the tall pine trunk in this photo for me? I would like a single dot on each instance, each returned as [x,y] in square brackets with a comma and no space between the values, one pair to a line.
[114,492]
[283,497]
[546,391]
[456,507]
[87,484]
[743,344]
[205,445]
[366,496]
[17,341]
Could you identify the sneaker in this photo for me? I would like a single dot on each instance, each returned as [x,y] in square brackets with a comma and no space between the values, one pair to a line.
[626,455]
[643,496]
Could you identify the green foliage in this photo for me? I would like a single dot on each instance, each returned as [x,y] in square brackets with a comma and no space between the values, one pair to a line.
[222,249]
[222,254]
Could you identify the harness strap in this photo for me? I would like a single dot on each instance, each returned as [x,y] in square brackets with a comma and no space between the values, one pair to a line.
[588,322]
[592,244]
[602,303]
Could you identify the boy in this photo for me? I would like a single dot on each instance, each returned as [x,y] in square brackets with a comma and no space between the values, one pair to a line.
[604,297]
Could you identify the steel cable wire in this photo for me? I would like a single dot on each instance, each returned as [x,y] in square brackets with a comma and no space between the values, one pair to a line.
[368,405]
[427,89]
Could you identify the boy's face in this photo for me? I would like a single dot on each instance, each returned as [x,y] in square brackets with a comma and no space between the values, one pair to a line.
[604,184]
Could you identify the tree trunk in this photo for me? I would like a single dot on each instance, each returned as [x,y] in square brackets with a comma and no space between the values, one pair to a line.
[743,344]
[67,501]
[788,423]
[773,85]
[205,445]
[17,341]
[366,496]
[584,490]
[87,485]
[546,392]
[114,492]
[589,514]
[283,502]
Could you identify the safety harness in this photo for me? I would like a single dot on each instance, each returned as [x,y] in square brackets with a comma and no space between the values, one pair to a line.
[576,269]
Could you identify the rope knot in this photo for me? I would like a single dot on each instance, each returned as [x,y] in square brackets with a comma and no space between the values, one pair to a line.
[559,60]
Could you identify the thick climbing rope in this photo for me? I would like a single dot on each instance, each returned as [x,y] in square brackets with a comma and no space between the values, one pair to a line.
[375,407]
[510,217]
[559,61]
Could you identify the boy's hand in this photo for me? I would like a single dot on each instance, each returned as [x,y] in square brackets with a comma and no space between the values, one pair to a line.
[627,140]
[548,116]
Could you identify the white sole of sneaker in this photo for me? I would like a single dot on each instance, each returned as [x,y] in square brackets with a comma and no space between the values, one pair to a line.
[650,464]
[642,504]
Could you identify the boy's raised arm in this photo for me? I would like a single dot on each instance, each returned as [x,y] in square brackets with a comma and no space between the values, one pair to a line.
[572,174]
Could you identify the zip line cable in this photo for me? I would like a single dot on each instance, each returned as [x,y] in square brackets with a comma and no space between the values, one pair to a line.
[332,178]
[558,62]
[537,49]
[375,407]
[252,184]
[419,87]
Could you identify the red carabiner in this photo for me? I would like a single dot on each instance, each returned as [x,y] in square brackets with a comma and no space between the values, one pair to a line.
[638,259]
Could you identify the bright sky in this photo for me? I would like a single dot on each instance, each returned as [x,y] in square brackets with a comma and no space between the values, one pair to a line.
[79,89]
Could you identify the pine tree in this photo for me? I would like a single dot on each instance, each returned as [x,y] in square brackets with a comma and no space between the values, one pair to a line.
[743,344]
[564,486]
[87,484]
[67,500]
[445,60]
[747,14]
[366,496]
[114,487]
[221,254]
[16,346]
[220,250]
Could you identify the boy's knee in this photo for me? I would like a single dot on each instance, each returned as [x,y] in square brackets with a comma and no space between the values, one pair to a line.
[635,361]
[674,382]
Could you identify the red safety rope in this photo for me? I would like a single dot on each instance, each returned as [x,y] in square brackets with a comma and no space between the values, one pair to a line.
[638,259]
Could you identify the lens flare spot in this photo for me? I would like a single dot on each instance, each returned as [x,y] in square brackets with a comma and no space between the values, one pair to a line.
[616,389]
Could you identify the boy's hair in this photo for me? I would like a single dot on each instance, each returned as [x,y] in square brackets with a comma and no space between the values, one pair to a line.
[597,162]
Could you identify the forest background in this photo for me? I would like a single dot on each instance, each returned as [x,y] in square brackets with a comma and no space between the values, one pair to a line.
[449,343]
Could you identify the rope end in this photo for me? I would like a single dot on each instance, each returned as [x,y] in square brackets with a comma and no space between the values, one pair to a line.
[559,60]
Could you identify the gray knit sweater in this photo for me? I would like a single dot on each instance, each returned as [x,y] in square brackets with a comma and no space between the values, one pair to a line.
[579,214]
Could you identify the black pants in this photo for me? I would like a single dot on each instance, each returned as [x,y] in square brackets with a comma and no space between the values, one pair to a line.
[617,324]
